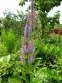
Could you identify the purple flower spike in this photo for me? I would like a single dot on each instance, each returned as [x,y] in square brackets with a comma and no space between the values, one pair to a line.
[27,31]
[31,58]
[32,5]
[28,50]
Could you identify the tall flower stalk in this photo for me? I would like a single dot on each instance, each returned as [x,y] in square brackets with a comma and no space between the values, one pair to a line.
[27,46]
[28,49]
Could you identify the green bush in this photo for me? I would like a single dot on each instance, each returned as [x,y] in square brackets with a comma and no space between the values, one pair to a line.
[48,52]
[55,38]
[8,67]
[8,40]
[3,50]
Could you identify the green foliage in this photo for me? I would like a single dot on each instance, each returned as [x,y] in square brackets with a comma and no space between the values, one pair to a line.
[49,53]
[52,21]
[58,26]
[16,22]
[8,65]
[11,70]
[22,2]
[55,38]
[14,71]
[8,40]
[49,76]
[18,43]
[14,79]
[3,50]
[46,5]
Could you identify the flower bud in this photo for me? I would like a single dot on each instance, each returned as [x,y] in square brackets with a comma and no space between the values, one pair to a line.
[29,49]
[27,31]
[32,5]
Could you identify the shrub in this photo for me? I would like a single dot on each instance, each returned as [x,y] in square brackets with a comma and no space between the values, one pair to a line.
[3,50]
[8,40]
[48,52]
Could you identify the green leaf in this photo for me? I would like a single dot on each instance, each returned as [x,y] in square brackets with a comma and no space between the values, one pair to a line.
[14,79]
[5,59]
